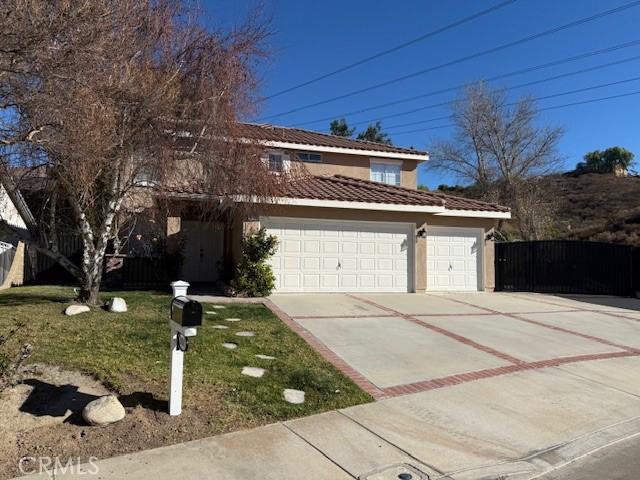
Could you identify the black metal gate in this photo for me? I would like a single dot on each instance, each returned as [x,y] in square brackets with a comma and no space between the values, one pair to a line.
[566,266]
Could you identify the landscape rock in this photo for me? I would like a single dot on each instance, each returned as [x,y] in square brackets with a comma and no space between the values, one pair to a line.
[76,309]
[117,305]
[245,334]
[254,372]
[264,357]
[230,345]
[294,396]
[103,411]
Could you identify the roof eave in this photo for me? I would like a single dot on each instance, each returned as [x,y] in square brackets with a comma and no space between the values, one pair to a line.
[419,156]
[475,214]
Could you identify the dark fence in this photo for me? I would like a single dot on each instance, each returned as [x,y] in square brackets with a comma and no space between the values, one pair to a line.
[566,266]
[6,259]
[144,264]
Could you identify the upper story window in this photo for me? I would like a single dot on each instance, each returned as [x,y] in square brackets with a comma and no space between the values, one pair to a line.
[309,157]
[386,172]
[277,161]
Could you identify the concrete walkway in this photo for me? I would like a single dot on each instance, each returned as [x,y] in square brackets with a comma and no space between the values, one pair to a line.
[554,389]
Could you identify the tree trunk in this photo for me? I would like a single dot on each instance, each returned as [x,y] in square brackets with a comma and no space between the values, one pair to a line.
[92,278]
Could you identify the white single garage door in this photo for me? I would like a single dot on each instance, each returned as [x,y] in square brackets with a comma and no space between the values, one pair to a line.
[454,258]
[341,256]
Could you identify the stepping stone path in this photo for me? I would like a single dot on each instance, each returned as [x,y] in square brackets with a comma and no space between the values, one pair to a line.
[218,307]
[253,372]
[246,334]
[210,312]
[265,357]
[230,345]
[232,319]
[293,396]
[220,327]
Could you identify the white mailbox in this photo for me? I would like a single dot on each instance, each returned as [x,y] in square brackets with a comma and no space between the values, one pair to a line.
[186,317]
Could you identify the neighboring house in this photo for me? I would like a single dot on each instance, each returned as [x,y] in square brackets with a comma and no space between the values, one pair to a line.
[11,250]
[356,223]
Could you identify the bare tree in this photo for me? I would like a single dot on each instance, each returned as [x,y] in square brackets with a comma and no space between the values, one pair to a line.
[107,98]
[499,149]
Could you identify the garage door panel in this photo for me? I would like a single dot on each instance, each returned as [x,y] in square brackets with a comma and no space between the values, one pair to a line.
[453,258]
[371,256]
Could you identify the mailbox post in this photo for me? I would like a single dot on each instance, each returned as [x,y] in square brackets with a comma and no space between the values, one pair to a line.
[186,317]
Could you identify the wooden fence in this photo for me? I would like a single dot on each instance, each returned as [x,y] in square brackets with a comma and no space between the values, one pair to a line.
[565,266]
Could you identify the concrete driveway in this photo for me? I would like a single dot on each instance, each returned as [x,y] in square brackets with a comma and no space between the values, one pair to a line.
[394,344]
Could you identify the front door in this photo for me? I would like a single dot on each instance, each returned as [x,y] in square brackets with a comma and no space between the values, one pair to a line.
[202,251]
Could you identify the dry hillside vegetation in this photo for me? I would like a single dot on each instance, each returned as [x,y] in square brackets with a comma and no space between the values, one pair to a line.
[597,207]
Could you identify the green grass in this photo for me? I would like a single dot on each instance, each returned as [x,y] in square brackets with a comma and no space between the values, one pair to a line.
[129,352]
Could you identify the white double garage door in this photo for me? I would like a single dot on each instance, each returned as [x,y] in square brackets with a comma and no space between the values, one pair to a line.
[349,256]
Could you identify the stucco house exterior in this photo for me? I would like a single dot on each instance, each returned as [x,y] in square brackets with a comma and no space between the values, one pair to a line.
[356,222]
[11,250]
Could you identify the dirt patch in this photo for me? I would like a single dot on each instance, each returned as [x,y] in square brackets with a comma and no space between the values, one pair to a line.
[41,417]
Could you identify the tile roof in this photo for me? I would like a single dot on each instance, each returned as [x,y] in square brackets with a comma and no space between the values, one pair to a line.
[348,189]
[275,133]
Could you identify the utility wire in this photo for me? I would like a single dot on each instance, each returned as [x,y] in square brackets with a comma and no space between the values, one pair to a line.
[427,35]
[514,87]
[553,107]
[545,97]
[465,58]
[490,79]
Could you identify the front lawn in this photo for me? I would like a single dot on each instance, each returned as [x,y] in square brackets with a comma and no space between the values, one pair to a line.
[129,353]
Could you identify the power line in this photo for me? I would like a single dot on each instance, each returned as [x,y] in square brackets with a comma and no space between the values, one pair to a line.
[465,58]
[430,34]
[539,98]
[522,85]
[545,97]
[490,79]
[553,107]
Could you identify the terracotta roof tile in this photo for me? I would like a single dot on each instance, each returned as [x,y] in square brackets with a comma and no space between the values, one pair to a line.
[275,133]
[348,189]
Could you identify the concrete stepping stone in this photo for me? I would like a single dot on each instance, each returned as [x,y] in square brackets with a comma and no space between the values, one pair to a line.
[232,319]
[220,327]
[264,357]
[219,307]
[230,345]
[211,312]
[254,372]
[246,334]
[293,396]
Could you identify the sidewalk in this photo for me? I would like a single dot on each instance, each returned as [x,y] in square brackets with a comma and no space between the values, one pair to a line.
[517,426]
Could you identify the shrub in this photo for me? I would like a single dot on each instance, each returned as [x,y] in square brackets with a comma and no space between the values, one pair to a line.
[254,276]
[13,352]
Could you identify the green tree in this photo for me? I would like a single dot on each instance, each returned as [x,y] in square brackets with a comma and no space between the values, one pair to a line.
[608,161]
[340,128]
[374,133]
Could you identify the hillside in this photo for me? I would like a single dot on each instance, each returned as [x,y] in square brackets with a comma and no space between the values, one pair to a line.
[598,207]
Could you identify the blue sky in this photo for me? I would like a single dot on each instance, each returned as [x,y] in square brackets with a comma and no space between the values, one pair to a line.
[311,38]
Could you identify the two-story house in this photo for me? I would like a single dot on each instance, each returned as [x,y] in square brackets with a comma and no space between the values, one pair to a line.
[356,223]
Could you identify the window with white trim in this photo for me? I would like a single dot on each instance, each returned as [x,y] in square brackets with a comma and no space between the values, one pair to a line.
[386,172]
[309,157]
[276,161]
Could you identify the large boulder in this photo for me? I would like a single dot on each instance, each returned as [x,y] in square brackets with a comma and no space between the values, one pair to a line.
[103,411]
[76,309]
[117,305]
